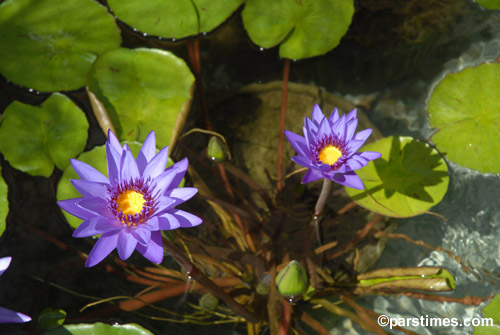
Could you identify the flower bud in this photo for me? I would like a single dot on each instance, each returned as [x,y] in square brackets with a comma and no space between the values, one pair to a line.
[216,150]
[292,280]
[208,302]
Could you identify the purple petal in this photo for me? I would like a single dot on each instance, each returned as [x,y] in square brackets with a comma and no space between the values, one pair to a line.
[143,236]
[90,188]
[72,206]
[363,134]
[180,169]
[152,224]
[317,115]
[370,155]
[351,128]
[354,145]
[349,179]
[108,225]
[165,203]
[126,244]
[339,128]
[334,116]
[128,167]
[164,180]
[157,165]
[298,143]
[4,264]
[114,142]
[90,227]
[147,152]
[351,115]
[113,158]
[154,249]
[301,160]
[186,219]
[168,222]
[312,175]
[96,205]
[102,248]
[9,316]
[87,172]
[184,193]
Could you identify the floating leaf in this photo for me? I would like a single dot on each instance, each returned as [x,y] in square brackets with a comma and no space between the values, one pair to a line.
[33,139]
[490,312]
[143,90]
[406,279]
[407,180]
[49,45]
[4,203]
[51,318]
[489,4]
[174,18]
[99,328]
[465,109]
[303,29]
[96,158]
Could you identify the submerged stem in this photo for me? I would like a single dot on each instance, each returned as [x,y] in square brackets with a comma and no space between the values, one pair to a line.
[320,205]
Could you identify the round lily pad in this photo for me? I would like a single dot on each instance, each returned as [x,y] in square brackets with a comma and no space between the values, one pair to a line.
[142,90]
[305,28]
[97,159]
[465,110]
[174,18]
[99,328]
[34,139]
[4,203]
[407,180]
[49,45]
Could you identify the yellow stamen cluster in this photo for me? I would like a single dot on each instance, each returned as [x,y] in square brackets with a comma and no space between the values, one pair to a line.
[330,155]
[131,202]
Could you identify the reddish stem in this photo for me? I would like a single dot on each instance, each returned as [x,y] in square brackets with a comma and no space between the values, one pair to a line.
[286,73]
[285,317]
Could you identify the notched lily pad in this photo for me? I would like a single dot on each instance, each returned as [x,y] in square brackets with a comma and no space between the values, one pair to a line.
[49,45]
[489,4]
[97,159]
[34,139]
[99,328]
[465,110]
[491,313]
[174,18]
[143,90]
[407,180]
[4,203]
[303,29]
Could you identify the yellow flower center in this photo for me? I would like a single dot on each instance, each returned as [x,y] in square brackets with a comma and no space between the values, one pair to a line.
[130,202]
[330,155]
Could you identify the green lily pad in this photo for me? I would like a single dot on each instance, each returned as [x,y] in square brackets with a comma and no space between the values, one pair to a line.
[99,328]
[490,311]
[407,180]
[465,109]
[489,4]
[303,29]
[34,139]
[4,203]
[49,45]
[96,158]
[143,90]
[173,18]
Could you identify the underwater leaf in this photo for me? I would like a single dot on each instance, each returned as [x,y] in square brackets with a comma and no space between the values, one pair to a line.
[51,318]
[303,29]
[465,110]
[173,18]
[97,159]
[407,180]
[143,90]
[49,45]
[4,203]
[489,4]
[99,328]
[34,139]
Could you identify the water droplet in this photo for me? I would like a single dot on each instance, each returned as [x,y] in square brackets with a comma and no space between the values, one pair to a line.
[160,38]
[204,33]
[290,300]
[135,29]
[261,49]
[173,39]
[144,34]
[30,90]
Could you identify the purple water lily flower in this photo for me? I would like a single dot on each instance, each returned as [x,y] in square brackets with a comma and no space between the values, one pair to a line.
[329,147]
[131,207]
[7,315]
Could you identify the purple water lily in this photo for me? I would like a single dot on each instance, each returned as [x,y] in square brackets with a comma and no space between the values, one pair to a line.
[329,147]
[7,315]
[131,207]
